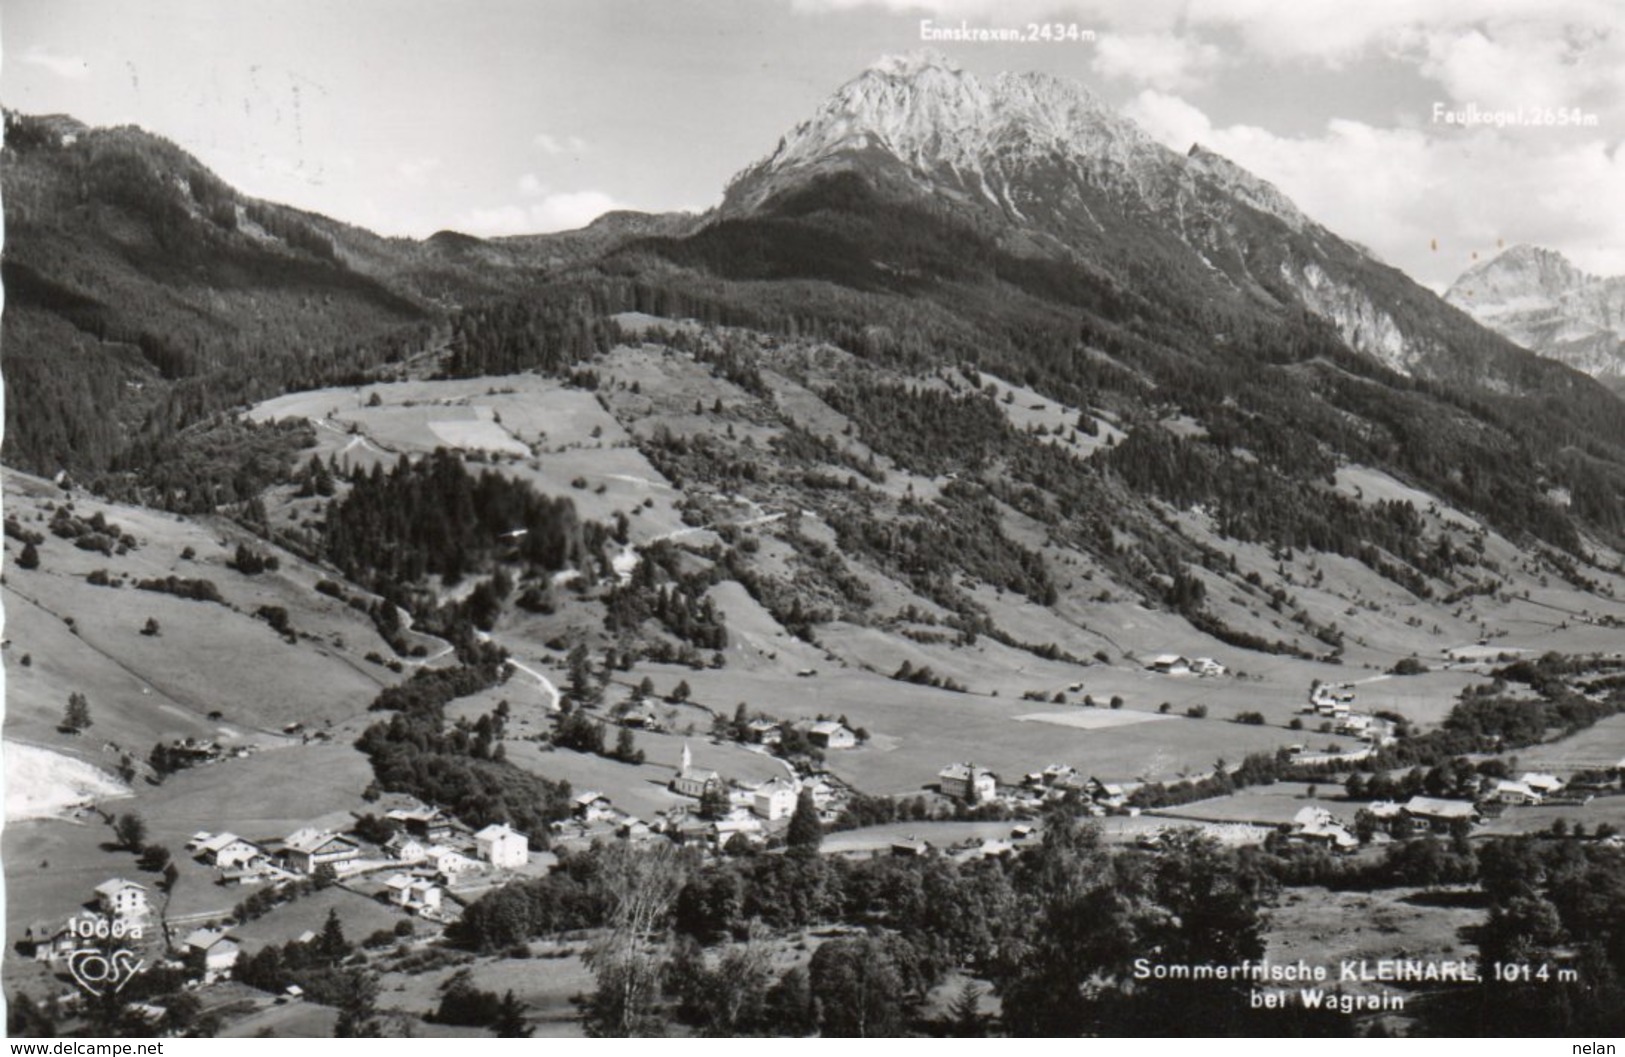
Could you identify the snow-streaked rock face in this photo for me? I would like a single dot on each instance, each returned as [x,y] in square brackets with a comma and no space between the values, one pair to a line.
[1360,322]
[952,128]
[1539,299]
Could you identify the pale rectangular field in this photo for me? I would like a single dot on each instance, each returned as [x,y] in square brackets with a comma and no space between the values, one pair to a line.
[1092,718]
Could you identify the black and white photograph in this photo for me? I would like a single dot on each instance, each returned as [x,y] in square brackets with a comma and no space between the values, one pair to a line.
[568,519]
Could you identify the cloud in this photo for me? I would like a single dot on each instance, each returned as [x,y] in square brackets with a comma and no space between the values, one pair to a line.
[1159,60]
[415,172]
[531,186]
[1537,52]
[1398,189]
[556,145]
[564,211]
[73,66]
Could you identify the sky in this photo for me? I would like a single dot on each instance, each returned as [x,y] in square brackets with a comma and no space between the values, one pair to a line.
[514,116]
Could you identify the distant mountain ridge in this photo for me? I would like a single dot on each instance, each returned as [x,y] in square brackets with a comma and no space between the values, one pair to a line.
[1539,299]
[1043,156]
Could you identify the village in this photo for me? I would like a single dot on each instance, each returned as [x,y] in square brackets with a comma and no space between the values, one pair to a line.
[423,865]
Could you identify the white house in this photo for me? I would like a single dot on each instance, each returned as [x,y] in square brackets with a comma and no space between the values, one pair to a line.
[448,862]
[1515,793]
[1207,666]
[1109,794]
[119,898]
[309,849]
[227,850]
[413,893]
[829,734]
[591,806]
[968,782]
[211,953]
[403,847]
[502,846]
[775,799]
[1170,664]
[1316,825]
[1544,784]
[1427,811]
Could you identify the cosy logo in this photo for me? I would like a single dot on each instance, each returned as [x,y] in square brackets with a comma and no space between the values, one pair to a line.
[103,973]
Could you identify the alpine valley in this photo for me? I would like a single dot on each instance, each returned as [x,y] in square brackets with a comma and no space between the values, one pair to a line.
[973,423]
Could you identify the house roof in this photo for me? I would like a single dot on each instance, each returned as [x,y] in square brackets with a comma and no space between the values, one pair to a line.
[112,888]
[827,726]
[221,842]
[204,939]
[1433,807]
[583,799]
[398,881]
[1310,815]
[414,814]
[313,840]
[1538,780]
[964,771]
[777,784]
[496,831]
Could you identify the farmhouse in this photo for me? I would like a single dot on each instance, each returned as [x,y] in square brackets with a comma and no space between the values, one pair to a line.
[690,782]
[1169,664]
[1515,793]
[308,849]
[728,828]
[211,954]
[829,734]
[502,846]
[1107,794]
[1544,784]
[51,940]
[1427,812]
[591,806]
[426,823]
[403,847]
[1315,825]
[119,898]
[968,782]
[448,862]
[763,731]
[775,799]
[415,894]
[227,850]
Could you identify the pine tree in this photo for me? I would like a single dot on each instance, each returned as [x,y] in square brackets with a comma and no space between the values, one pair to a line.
[77,717]
[806,833]
[331,944]
[29,558]
[510,1019]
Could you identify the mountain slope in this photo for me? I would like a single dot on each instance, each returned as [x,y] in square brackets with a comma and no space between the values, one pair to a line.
[143,292]
[1540,300]
[1068,176]
[922,217]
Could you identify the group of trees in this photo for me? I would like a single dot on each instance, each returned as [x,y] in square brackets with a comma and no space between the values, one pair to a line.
[413,752]
[1055,929]
[434,517]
